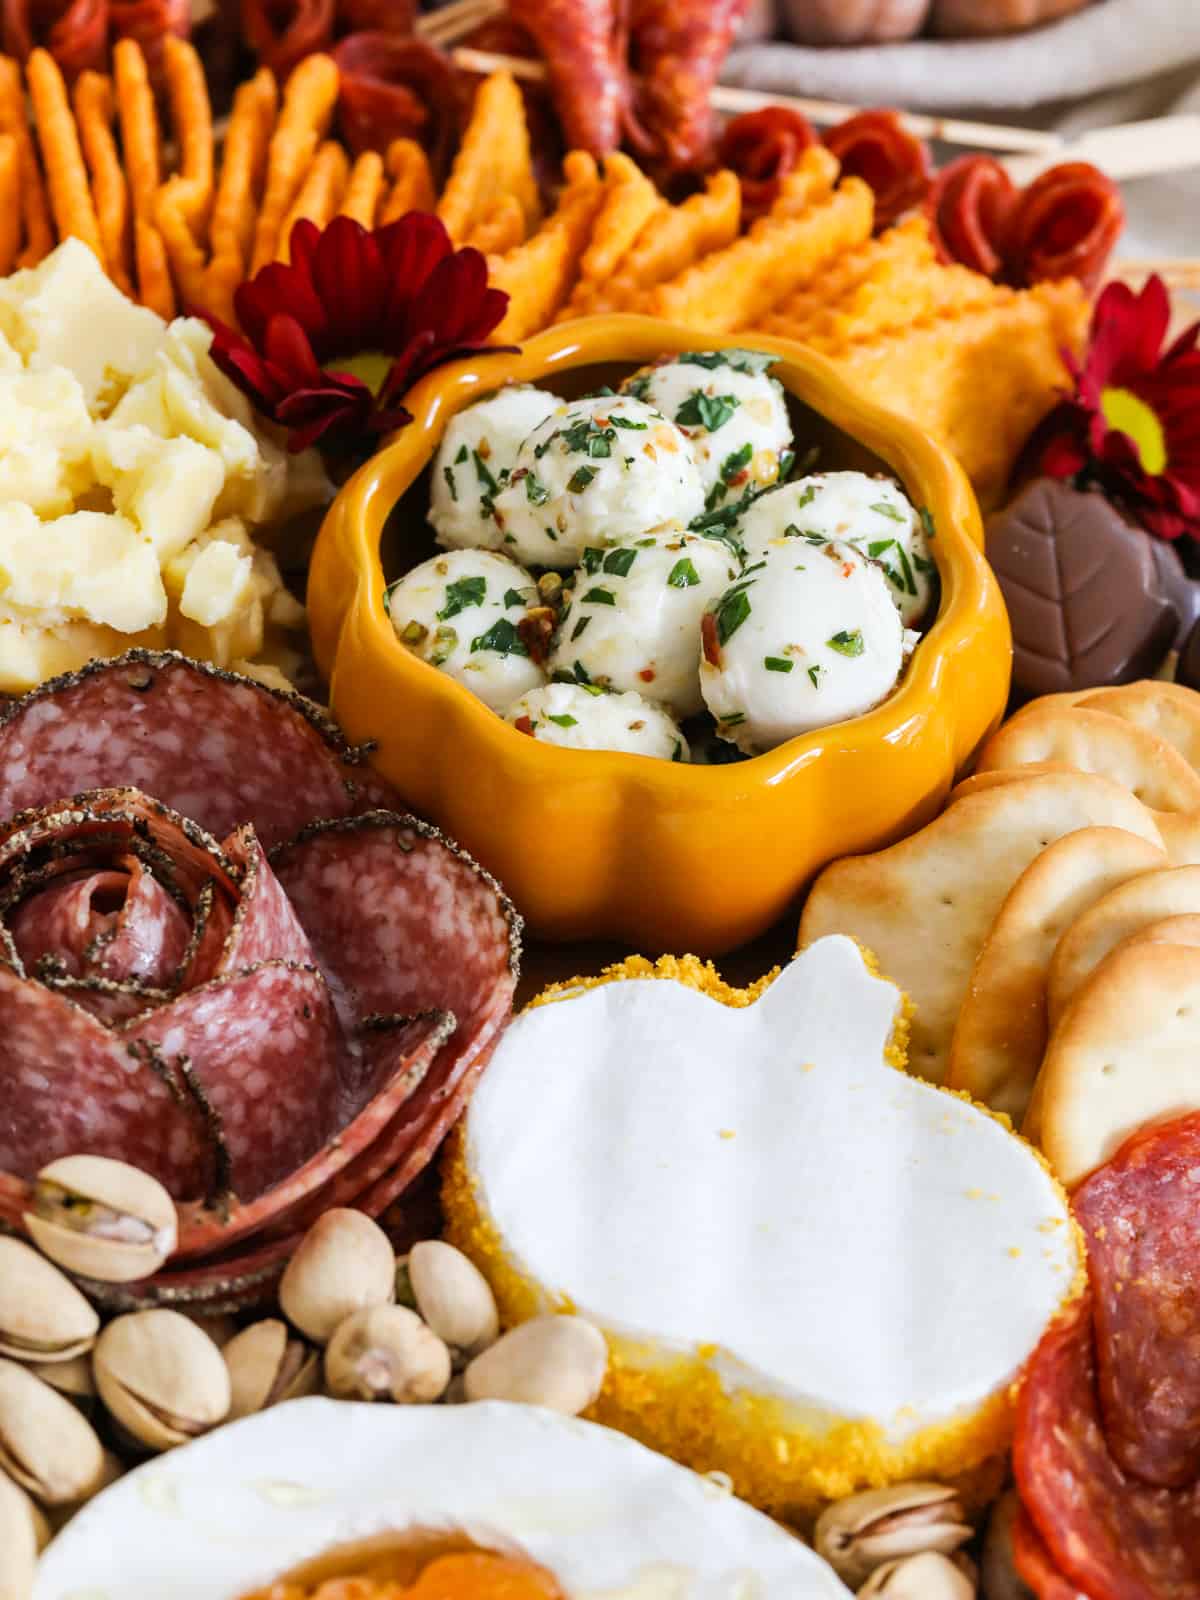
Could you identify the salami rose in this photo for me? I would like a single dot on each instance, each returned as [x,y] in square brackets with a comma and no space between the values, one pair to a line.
[74,32]
[1066,225]
[282,32]
[1034,1566]
[762,147]
[268,1034]
[396,88]
[970,209]
[150,22]
[679,48]
[876,147]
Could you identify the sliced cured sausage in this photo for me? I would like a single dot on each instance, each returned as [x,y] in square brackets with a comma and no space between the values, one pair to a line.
[970,208]
[394,88]
[762,147]
[1066,225]
[679,47]
[583,45]
[876,147]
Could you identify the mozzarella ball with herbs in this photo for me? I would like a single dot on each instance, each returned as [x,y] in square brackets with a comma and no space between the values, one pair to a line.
[580,718]
[601,471]
[872,514]
[807,636]
[477,453]
[731,411]
[633,621]
[462,612]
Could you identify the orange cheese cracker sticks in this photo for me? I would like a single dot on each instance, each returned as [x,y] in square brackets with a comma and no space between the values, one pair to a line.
[10,202]
[412,180]
[502,228]
[36,230]
[673,240]
[738,286]
[894,298]
[493,159]
[308,104]
[187,258]
[906,247]
[94,113]
[538,275]
[66,175]
[319,197]
[191,118]
[630,201]
[364,189]
[243,167]
[140,143]
[810,181]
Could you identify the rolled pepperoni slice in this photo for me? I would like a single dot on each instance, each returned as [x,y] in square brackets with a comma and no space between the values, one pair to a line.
[970,208]
[396,88]
[376,16]
[583,45]
[679,47]
[876,147]
[1112,1536]
[282,32]
[762,147]
[150,22]
[1066,225]
[74,32]
[1034,1565]
[1142,1222]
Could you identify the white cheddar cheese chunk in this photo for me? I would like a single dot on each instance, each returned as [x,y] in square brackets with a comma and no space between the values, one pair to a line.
[45,432]
[89,565]
[168,487]
[219,584]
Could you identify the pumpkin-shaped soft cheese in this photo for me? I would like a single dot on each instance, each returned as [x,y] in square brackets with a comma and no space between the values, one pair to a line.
[959,18]
[854,21]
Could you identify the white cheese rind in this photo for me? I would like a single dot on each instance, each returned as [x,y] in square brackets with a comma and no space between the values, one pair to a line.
[688,1174]
[607,1517]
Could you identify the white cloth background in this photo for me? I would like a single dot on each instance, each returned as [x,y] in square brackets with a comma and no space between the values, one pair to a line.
[1117,61]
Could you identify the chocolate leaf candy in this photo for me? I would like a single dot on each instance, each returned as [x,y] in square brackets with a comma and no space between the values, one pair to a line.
[1093,599]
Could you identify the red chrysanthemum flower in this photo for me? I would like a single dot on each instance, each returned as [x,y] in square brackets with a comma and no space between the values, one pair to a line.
[333,340]
[1132,427]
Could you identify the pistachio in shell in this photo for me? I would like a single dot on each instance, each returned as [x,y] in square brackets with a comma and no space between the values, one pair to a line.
[557,1362]
[46,1446]
[454,1298]
[102,1219]
[219,1328]
[266,1365]
[860,1533]
[161,1377]
[24,1532]
[345,1263]
[386,1353]
[43,1316]
[72,1378]
[928,1575]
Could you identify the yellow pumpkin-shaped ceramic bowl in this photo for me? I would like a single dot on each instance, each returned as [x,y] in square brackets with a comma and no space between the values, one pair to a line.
[607,845]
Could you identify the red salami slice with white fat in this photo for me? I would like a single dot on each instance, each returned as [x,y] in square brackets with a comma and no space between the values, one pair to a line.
[1035,1566]
[219,749]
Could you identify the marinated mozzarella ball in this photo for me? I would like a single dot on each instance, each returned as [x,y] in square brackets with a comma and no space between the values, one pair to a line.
[872,514]
[596,472]
[477,453]
[579,718]
[733,413]
[633,621]
[461,612]
[807,636]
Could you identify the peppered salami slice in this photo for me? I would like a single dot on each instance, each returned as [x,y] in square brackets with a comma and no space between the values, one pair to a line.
[1066,225]
[265,928]
[1034,1565]
[1110,1535]
[1141,1215]
[119,924]
[970,207]
[262,1049]
[220,749]
[762,147]
[67,1084]
[876,147]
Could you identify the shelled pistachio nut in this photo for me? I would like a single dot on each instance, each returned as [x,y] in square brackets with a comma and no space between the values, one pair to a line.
[859,1534]
[386,1353]
[926,1576]
[102,1219]
[73,1378]
[24,1532]
[161,1377]
[43,1316]
[1000,1577]
[267,1365]
[46,1446]
[345,1263]
[557,1362]
[454,1298]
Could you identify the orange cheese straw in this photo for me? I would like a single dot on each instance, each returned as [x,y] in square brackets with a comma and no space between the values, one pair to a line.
[66,175]
[364,189]
[412,180]
[36,228]
[94,112]
[502,227]
[140,142]
[308,103]
[191,117]
[10,202]
[243,170]
[320,194]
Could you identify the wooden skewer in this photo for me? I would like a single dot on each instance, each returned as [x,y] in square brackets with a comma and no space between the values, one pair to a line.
[454,21]
[1176,272]
[1126,150]
[978,135]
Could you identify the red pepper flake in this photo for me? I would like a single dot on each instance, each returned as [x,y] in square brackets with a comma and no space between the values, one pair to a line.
[536,632]
[709,640]
[523,725]
[647,674]
[738,478]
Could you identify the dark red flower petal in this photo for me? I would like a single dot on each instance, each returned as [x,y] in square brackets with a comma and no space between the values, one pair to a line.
[279,288]
[350,278]
[411,249]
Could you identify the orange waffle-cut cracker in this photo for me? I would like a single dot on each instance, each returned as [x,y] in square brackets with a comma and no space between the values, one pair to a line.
[737,287]
[94,113]
[10,202]
[412,181]
[895,298]
[672,240]
[239,189]
[37,234]
[493,159]
[191,118]
[538,275]
[364,189]
[66,174]
[630,203]
[909,245]
[308,104]
[140,144]
[810,181]
[320,194]
[503,227]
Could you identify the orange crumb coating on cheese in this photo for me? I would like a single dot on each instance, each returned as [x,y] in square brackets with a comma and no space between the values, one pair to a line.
[466,1576]
[678,1404]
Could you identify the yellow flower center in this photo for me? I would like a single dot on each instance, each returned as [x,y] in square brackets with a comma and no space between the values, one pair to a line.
[1126,413]
[369,366]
